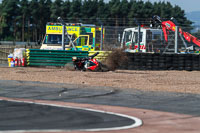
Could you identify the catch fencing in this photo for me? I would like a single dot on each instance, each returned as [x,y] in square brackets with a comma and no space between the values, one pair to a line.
[113,38]
[5,50]
[18,43]
[156,57]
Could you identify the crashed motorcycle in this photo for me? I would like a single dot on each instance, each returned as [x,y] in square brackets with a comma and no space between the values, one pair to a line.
[87,63]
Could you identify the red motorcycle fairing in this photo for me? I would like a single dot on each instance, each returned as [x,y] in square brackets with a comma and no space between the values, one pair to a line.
[93,64]
[87,63]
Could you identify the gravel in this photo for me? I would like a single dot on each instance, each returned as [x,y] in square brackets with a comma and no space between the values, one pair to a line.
[171,81]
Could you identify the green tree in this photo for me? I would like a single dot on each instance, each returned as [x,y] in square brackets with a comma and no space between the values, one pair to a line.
[33,24]
[115,10]
[88,11]
[103,12]
[75,10]
[85,11]
[26,19]
[56,10]
[47,10]
[166,10]
[1,21]
[9,18]
[25,13]
[124,11]
[66,9]
[44,9]
[179,15]
[148,9]
[132,12]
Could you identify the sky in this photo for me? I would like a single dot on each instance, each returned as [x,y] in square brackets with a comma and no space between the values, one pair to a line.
[187,5]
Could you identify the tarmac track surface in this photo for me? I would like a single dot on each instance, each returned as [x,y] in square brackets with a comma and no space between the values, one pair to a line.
[160,111]
[44,116]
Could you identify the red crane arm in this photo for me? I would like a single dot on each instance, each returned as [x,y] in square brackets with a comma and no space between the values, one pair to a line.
[169,25]
[166,26]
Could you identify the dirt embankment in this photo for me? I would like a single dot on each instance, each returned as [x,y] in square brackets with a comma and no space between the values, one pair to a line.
[173,81]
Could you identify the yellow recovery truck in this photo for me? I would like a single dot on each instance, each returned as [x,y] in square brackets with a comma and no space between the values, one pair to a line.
[85,37]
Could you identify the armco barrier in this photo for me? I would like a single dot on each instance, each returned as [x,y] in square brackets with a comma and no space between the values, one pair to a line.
[156,61]
[37,57]
[136,61]
[101,56]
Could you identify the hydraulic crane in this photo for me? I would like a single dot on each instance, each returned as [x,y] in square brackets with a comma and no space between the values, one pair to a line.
[170,26]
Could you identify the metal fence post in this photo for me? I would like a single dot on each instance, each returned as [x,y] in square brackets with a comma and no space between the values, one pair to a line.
[101,47]
[63,37]
[136,21]
[64,31]
[138,38]
[176,40]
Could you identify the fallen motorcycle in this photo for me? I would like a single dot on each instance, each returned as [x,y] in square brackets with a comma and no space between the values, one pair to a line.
[87,63]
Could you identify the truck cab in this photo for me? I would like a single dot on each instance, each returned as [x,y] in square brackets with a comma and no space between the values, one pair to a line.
[150,39]
[85,37]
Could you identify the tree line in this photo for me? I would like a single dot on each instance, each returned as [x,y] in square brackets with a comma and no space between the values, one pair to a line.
[25,20]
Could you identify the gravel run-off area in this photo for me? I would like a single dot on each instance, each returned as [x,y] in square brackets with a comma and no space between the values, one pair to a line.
[171,81]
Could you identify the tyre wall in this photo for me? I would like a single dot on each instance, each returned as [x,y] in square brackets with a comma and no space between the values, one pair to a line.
[156,61]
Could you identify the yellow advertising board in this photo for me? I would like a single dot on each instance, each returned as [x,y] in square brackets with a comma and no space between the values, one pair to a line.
[53,29]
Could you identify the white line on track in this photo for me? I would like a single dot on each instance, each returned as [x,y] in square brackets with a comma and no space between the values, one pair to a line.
[137,123]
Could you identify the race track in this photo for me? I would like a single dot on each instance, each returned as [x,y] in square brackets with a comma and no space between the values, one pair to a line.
[27,103]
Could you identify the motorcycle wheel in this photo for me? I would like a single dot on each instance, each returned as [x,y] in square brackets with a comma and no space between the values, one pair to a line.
[102,68]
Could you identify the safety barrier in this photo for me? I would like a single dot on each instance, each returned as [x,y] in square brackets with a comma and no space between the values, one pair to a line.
[37,57]
[157,61]
[136,61]
[5,50]
[101,56]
